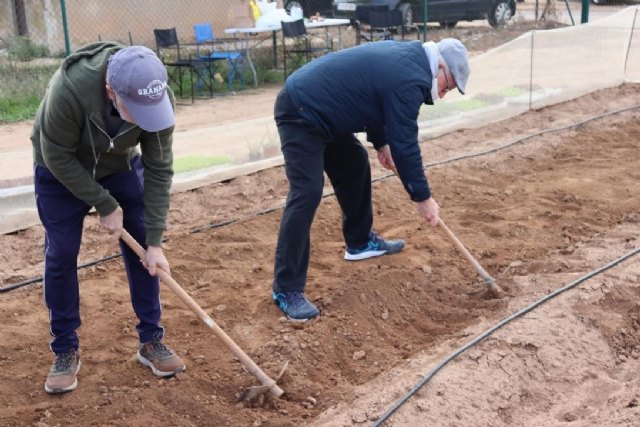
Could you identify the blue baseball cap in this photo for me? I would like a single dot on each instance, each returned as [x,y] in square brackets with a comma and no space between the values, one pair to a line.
[138,77]
[455,55]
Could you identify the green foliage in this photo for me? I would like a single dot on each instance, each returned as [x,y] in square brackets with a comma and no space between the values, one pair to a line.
[21,89]
[23,84]
[189,163]
[263,63]
[21,48]
[17,110]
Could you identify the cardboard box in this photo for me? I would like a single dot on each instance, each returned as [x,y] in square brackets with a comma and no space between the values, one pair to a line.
[242,16]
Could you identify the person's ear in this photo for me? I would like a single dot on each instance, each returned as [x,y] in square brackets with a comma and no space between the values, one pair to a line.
[110,92]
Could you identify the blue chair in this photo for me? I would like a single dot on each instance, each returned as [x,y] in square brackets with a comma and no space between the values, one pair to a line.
[212,49]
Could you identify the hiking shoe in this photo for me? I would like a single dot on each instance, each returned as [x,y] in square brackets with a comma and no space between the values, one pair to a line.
[63,375]
[375,247]
[295,305]
[163,361]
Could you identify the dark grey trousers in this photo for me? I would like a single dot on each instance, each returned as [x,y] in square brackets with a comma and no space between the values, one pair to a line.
[308,152]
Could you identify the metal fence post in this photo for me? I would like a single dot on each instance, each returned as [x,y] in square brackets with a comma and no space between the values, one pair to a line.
[65,28]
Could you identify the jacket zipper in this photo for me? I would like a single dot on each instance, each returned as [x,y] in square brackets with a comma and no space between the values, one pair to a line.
[111,143]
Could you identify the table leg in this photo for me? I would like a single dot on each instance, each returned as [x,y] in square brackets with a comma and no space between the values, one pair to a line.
[248,56]
[274,41]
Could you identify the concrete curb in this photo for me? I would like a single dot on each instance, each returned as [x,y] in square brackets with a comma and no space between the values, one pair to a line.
[18,204]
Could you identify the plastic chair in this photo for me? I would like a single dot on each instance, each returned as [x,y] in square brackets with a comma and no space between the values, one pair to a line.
[211,49]
[301,45]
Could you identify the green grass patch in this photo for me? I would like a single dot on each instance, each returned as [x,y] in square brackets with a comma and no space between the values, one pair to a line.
[443,109]
[15,110]
[469,104]
[23,49]
[190,163]
[511,91]
[21,89]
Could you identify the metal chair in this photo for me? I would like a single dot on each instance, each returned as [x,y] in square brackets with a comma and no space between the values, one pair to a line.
[380,22]
[363,22]
[168,50]
[300,43]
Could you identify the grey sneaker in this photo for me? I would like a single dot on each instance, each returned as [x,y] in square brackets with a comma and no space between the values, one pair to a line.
[163,361]
[295,305]
[63,375]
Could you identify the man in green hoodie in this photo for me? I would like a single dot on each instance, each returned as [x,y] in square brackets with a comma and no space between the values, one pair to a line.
[104,101]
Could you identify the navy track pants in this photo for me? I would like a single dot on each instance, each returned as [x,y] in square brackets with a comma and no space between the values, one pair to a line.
[62,215]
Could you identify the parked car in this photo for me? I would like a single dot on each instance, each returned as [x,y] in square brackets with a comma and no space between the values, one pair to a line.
[310,7]
[445,12]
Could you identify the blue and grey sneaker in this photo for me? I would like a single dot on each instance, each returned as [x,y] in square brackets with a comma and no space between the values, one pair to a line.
[375,247]
[295,305]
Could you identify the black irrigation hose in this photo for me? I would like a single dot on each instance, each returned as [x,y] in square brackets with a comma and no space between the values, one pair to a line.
[484,335]
[331,193]
[41,278]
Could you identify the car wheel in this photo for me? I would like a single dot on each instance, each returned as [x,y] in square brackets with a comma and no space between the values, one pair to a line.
[501,13]
[448,24]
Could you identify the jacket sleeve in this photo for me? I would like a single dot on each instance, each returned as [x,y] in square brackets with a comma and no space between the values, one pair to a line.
[60,129]
[157,160]
[401,108]
[377,137]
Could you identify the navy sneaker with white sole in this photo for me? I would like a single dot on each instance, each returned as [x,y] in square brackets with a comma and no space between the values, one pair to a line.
[376,246]
[295,305]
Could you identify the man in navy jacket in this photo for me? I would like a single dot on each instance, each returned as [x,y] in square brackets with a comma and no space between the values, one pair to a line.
[377,88]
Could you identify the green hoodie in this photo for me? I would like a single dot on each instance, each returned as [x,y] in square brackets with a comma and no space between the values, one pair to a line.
[69,139]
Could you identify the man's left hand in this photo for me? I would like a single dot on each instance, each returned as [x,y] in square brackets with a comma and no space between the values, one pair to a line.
[155,259]
[385,159]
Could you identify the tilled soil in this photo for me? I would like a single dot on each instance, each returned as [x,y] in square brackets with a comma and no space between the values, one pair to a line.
[536,214]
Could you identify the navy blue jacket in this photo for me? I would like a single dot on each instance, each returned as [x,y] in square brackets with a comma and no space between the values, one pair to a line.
[376,88]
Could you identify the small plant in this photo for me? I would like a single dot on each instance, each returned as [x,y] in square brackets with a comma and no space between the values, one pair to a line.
[255,150]
[270,145]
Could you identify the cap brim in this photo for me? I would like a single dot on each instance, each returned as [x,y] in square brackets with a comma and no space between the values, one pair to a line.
[152,118]
[460,88]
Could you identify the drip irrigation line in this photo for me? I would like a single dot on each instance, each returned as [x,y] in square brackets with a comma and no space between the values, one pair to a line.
[235,220]
[41,278]
[517,141]
[331,193]
[499,325]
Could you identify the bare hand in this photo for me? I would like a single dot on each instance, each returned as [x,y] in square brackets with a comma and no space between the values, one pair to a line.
[428,210]
[155,259]
[385,159]
[113,222]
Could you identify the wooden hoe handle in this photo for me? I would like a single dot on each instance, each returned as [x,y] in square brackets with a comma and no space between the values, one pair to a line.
[487,278]
[246,361]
